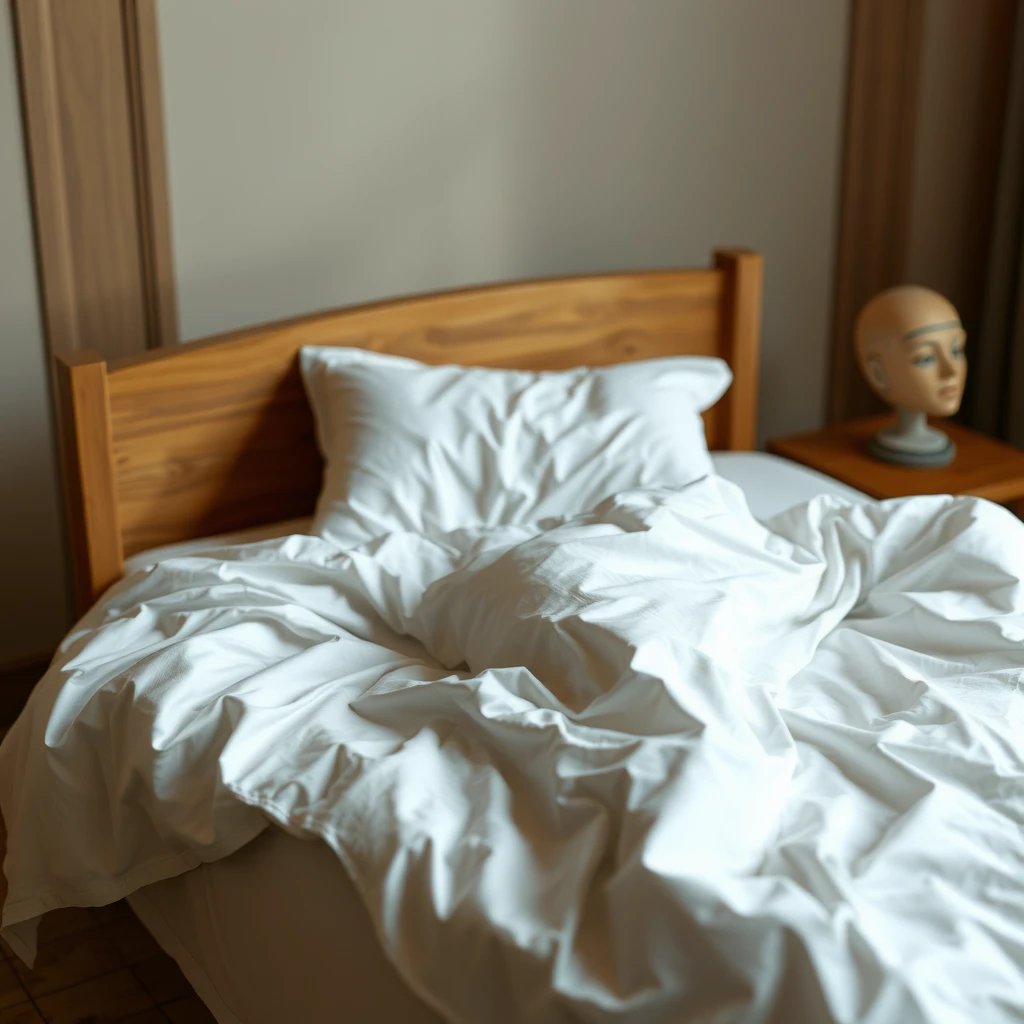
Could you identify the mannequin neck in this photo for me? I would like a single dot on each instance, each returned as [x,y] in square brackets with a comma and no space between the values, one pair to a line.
[911,423]
[911,433]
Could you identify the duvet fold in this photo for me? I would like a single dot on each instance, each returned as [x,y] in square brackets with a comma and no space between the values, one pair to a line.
[657,762]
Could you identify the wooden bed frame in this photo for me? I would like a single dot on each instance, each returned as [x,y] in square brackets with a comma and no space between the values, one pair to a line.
[191,440]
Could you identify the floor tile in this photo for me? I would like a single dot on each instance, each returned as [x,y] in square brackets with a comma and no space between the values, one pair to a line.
[161,977]
[99,1001]
[26,1013]
[67,960]
[146,1017]
[131,939]
[191,1010]
[11,991]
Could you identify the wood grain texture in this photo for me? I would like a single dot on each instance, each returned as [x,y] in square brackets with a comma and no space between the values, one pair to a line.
[983,467]
[145,95]
[886,41]
[217,435]
[88,475]
[91,100]
[40,96]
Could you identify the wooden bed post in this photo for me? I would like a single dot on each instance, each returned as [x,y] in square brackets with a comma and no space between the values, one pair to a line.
[741,332]
[87,463]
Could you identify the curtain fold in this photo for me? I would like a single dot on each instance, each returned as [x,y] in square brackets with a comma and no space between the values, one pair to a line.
[997,371]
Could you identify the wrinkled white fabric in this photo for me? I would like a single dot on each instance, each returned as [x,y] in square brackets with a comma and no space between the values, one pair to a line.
[656,763]
[409,446]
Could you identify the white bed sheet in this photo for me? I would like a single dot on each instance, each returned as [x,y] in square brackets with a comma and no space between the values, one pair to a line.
[258,934]
[770,484]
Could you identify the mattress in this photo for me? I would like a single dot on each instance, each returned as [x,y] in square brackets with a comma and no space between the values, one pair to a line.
[276,932]
[771,485]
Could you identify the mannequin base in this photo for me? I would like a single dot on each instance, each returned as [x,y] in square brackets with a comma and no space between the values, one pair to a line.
[917,460]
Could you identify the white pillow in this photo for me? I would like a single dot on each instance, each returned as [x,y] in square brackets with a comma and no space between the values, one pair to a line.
[437,448]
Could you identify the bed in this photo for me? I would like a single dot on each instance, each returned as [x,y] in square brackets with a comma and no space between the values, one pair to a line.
[217,435]
[232,925]
[795,891]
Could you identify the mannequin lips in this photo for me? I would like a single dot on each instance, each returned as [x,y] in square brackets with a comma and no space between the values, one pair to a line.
[949,391]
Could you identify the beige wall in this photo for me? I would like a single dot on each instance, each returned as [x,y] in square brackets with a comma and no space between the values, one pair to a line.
[329,151]
[33,599]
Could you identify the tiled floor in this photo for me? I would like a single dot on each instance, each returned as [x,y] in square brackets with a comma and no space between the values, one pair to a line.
[93,967]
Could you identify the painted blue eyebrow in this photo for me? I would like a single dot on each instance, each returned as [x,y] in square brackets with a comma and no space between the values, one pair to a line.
[945,326]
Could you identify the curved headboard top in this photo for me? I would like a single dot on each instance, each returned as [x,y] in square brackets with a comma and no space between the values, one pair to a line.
[217,435]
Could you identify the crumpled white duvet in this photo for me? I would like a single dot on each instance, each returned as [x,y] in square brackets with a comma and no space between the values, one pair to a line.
[657,763]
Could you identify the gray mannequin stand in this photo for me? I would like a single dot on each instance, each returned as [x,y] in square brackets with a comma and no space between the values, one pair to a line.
[911,442]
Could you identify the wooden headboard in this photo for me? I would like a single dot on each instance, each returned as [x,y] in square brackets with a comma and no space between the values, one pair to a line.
[215,435]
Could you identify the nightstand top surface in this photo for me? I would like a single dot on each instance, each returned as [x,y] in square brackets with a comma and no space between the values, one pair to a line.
[983,466]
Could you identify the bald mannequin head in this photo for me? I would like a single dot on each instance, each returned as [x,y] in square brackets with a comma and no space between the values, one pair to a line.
[910,346]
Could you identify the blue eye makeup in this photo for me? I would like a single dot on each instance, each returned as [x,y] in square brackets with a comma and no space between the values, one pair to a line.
[924,360]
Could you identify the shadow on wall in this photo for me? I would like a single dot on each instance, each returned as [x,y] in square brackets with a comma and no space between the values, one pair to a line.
[35,608]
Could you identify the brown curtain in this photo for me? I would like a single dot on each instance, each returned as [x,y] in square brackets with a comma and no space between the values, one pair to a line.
[997,354]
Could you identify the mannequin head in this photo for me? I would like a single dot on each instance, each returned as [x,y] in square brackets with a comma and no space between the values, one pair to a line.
[910,346]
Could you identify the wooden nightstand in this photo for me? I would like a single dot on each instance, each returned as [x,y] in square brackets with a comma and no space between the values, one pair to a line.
[983,467]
